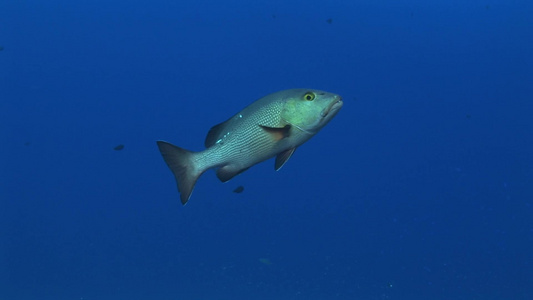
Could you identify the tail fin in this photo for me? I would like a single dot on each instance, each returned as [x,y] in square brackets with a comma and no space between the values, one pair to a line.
[180,163]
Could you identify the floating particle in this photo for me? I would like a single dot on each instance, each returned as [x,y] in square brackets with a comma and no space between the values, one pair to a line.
[239,189]
[265,261]
[119,147]
[329,21]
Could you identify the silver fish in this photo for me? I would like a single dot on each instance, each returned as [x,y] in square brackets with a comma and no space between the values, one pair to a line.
[274,125]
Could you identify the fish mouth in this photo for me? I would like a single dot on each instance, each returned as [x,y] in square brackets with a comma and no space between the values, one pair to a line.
[332,108]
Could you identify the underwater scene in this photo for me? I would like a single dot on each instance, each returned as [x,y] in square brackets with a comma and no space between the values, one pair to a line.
[257,150]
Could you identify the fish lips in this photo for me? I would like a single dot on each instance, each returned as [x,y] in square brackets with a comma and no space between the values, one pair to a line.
[332,109]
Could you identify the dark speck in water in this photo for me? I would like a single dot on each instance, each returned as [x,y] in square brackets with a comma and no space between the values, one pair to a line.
[119,147]
[239,189]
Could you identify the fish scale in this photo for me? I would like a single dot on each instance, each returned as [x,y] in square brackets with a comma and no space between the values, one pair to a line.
[274,125]
[244,135]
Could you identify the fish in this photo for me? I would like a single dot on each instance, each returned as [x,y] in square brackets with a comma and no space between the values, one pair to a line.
[118,147]
[273,126]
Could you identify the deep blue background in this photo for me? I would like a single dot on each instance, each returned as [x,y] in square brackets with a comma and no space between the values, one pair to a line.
[420,188]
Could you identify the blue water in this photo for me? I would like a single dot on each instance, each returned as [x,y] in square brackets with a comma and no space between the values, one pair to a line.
[420,188]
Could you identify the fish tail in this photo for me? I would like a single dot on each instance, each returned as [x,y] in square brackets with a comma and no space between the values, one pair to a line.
[182,166]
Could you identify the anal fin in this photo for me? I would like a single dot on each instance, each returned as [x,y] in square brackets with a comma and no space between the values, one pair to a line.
[227,172]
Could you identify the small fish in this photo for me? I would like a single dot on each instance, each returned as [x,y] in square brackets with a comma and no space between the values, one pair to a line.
[239,189]
[119,147]
[329,21]
[274,125]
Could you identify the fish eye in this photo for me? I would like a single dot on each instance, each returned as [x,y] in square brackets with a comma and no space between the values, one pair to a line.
[309,96]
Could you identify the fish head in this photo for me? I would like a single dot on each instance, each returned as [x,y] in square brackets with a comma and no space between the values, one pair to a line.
[309,110]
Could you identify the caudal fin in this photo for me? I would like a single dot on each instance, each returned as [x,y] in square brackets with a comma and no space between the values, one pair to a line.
[182,166]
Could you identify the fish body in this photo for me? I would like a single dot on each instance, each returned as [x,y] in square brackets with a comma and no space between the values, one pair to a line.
[274,125]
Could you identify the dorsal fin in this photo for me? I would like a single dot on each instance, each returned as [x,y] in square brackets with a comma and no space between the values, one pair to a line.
[278,133]
[215,133]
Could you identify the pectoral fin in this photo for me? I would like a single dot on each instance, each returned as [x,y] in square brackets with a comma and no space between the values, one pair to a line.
[283,157]
[278,133]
